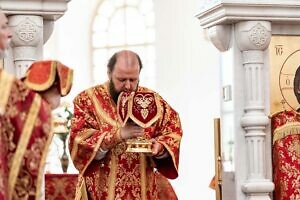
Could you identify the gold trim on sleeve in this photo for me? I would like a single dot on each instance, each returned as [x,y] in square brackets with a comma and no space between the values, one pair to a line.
[79,138]
[285,130]
[66,90]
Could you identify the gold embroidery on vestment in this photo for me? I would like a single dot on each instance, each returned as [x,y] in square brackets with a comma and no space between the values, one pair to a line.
[143,175]
[23,142]
[78,139]
[5,85]
[99,111]
[42,163]
[112,177]
[285,130]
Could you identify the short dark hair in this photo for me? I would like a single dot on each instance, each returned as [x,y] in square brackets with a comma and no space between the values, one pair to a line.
[112,61]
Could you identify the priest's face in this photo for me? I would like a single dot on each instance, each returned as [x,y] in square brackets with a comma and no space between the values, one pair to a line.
[5,35]
[52,96]
[124,76]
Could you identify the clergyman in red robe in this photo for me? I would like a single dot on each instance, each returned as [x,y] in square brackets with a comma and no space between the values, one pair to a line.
[98,140]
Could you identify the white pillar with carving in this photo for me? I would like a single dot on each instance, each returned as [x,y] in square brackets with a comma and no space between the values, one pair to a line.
[32,23]
[27,41]
[253,38]
[246,73]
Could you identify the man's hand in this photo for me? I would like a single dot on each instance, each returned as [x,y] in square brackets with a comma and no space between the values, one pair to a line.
[157,148]
[131,130]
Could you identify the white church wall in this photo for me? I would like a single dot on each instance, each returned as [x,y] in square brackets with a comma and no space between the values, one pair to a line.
[187,77]
[70,43]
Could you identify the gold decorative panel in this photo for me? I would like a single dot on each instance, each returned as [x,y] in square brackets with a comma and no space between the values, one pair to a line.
[285,73]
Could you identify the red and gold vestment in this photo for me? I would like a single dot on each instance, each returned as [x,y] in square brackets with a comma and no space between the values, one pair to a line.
[286,155]
[25,126]
[121,175]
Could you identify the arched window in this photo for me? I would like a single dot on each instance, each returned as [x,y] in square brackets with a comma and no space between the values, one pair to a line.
[123,24]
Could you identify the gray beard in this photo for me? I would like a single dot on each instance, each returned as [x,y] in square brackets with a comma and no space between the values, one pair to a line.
[3,53]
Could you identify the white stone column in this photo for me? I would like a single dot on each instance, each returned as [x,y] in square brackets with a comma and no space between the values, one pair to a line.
[252,31]
[253,38]
[27,41]
[32,23]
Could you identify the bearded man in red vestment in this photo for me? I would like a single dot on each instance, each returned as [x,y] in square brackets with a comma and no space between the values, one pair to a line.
[25,122]
[98,140]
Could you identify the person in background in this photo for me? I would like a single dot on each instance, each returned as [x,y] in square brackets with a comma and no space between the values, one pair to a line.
[98,140]
[25,121]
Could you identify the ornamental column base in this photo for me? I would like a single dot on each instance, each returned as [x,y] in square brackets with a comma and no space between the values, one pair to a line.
[258,189]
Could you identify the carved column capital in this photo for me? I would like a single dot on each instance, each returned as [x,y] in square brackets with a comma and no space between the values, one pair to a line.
[27,37]
[32,23]
[253,35]
[26,30]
